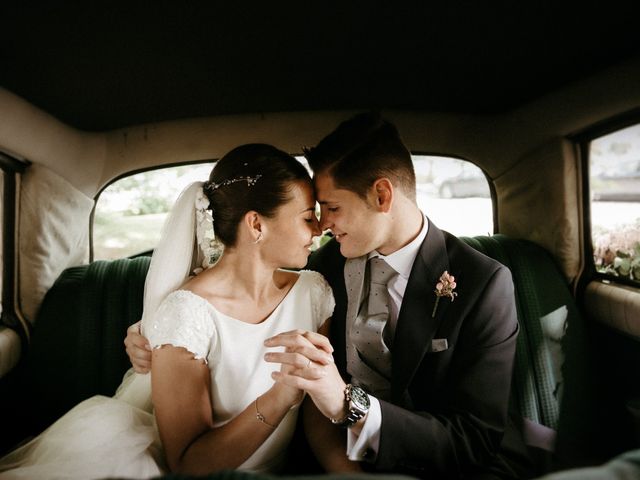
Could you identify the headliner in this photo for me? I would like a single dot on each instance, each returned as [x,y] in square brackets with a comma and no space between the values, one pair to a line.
[104,66]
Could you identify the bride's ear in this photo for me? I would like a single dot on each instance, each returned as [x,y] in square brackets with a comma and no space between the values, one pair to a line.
[253,223]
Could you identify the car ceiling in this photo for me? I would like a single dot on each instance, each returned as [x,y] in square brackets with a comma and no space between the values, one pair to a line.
[99,66]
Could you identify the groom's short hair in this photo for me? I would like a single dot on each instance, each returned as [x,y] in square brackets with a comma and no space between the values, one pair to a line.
[362,150]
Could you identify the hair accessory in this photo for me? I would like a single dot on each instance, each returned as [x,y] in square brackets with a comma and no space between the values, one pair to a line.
[211,187]
[204,221]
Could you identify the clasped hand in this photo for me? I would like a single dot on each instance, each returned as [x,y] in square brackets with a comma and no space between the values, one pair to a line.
[307,364]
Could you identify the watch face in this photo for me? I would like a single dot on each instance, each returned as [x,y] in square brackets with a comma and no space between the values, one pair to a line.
[360,398]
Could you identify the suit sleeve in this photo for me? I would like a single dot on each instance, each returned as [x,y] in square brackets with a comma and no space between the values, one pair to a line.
[462,427]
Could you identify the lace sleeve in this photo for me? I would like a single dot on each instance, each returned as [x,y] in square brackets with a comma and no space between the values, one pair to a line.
[183,320]
[322,301]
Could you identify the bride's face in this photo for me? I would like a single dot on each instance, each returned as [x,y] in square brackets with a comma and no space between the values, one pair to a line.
[291,231]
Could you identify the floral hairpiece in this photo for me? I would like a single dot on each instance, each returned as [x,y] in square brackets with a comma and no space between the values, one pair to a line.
[444,288]
[211,187]
[204,221]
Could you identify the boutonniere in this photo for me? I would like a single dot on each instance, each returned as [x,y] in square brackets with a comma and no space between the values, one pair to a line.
[444,288]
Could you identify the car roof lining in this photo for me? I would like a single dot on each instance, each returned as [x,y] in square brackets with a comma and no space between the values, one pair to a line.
[109,65]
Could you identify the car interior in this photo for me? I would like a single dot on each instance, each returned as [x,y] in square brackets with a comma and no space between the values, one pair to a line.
[94,93]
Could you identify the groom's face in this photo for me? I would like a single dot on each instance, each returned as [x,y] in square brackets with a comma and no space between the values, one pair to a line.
[352,219]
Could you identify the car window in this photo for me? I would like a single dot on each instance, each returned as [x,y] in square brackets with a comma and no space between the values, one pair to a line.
[454,194]
[614,179]
[130,212]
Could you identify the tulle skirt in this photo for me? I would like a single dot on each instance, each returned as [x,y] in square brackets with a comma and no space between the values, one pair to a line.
[100,437]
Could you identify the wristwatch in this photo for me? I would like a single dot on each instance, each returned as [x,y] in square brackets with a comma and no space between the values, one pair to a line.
[357,402]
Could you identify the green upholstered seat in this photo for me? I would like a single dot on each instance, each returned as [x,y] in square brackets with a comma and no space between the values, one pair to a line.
[551,384]
[77,346]
[542,297]
[77,349]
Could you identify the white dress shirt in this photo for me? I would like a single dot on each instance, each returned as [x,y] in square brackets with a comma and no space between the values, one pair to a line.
[365,446]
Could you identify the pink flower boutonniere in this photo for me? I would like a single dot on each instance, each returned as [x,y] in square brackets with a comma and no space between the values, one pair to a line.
[444,288]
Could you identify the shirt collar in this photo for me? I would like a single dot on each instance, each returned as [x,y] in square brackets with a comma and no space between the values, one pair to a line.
[402,260]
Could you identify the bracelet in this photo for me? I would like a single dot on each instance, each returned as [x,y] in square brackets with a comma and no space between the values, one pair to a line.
[260,417]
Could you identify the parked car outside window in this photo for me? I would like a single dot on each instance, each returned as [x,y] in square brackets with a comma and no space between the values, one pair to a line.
[618,182]
[469,182]
[446,187]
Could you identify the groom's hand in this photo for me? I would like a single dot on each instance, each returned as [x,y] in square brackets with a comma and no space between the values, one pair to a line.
[311,368]
[138,349]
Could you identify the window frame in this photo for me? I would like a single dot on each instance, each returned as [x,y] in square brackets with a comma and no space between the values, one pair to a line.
[582,140]
[11,317]
[297,155]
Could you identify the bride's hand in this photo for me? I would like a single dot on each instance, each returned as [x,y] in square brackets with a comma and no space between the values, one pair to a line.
[299,359]
[311,369]
[291,395]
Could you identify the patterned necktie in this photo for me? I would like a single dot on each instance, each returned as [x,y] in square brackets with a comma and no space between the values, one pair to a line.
[368,331]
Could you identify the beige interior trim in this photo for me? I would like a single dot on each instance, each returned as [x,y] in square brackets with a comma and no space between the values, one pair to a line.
[27,132]
[53,233]
[615,306]
[553,224]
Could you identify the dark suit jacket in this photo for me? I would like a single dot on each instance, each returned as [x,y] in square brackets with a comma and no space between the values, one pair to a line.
[448,412]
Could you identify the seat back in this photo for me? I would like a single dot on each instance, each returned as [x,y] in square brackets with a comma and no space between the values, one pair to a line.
[552,384]
[77,345]
[77,348]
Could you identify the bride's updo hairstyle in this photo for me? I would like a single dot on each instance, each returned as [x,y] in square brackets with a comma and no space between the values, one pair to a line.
[256,177]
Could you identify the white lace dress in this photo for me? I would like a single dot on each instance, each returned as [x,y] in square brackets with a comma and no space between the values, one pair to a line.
[117,437]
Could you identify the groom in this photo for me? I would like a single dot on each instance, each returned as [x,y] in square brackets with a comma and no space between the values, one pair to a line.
[424,329]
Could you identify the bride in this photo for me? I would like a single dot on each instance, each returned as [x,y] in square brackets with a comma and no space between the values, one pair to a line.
[210,402]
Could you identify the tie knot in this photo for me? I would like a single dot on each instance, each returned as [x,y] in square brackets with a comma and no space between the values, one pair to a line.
[381,272]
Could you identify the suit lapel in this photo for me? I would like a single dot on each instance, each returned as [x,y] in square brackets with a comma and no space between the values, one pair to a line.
[416,327]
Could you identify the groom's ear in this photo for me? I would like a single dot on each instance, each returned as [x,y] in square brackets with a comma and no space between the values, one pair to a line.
[382,192]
